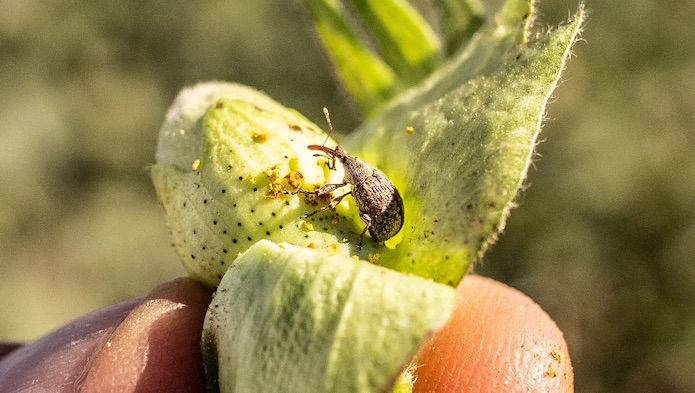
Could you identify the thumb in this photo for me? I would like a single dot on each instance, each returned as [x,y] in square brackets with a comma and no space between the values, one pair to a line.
[497,340]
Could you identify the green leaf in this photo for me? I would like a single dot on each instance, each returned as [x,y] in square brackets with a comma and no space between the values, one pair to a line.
[290,319]
[403,37]
[365,76]
[474,125]
[460,19]
[405,381]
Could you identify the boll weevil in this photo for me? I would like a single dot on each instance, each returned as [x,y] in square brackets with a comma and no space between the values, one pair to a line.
[379,203]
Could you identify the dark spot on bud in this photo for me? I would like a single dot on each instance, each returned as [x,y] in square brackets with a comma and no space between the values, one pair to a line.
[184,204]
[267,233]
[229,167]
[224,250]
[195,232]
[272,214]
[204,247]
[233,240]
[238,224]
[260,223]
[280,226]
[249,238]
[219,276]
[253,211]
[214,222]
[287,203]
[255,189]
[224,232]
[241,178]
[205,201]
[223,190]
[221,262]
[192,256]
[234,205]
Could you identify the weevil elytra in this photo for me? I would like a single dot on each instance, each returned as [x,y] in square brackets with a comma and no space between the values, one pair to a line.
[379,202]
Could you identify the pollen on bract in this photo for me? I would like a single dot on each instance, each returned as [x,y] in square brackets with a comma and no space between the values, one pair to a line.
[295,179]
[307,226]
[260,137]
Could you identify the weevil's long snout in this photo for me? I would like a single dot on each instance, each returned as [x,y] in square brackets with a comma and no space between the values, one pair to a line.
[333,152]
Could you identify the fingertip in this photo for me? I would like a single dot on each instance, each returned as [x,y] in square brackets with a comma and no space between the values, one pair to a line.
[55,362]
[157,346]
[497,340]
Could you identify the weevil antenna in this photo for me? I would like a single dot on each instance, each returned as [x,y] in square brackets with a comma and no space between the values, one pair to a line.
[330,126]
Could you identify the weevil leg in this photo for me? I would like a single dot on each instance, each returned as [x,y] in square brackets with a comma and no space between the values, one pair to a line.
[331,205]
[323,190]
[331,160]
[367,220]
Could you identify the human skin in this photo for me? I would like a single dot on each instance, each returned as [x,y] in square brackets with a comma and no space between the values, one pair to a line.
[497,340]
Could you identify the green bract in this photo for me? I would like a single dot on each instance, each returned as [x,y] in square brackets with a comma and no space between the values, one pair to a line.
[305,321]
[474,126]
[456,142]
[225,194]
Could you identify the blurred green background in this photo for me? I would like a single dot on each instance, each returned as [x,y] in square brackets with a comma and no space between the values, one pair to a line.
[604,238]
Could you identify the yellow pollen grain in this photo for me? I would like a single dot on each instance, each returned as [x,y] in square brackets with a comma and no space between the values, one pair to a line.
[312,245]
[295,179]
[195,165]
[275,188]
[409,130]
[307,226]
[273,172]
[556,355]
[259,138]
[373,258]
[274,191]
[550,371]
